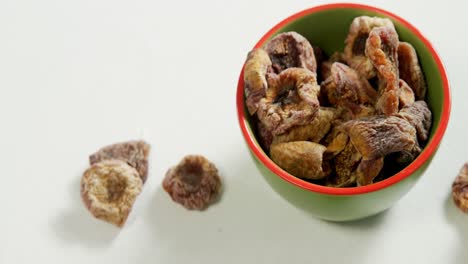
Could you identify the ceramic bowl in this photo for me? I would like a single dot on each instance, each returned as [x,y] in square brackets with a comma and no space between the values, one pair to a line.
[326,26]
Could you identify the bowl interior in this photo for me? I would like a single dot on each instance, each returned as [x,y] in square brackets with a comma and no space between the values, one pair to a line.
[327,27]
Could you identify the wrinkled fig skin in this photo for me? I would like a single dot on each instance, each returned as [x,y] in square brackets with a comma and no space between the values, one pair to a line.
[345,164]
[355,43]
[344,86]
[325,67]
[314,132]
[406,94]
[378,136]
[356,111]
[460,189]
[255,82]
[381,49]
[410,70]
[420,117]
[134,152]
[339,142]
[368,170]
[300,158]
[194,182]
[291,50]
[292,102]
[109,189]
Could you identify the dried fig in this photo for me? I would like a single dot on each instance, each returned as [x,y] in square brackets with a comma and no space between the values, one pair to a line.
[315,131]
[460,189]
[377,136]
[325,67]
[344,86]
[420,117]
[255,82]
[406,94]
[355,43]
[194,182]
[345,164]
[300,158]
[410,70]
[339,142]
[382,51]
[109,188]
[293,101]
[368,170]
[135,153]
[351,111]
[291,50]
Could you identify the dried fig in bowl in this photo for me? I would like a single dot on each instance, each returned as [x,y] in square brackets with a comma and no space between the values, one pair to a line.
[382,51]
[292,101]
[291,50]
[255,71]
[301,158]
[355,42]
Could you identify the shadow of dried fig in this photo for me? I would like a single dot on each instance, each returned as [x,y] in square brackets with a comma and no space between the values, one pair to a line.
[75,225]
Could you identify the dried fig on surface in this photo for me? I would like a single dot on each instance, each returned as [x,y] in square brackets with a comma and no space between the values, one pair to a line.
[302,159]
[109,188]
[291,50]
[194,182]
[355,43]
[382,51]
[410,70]
[292,102]
[135,153]
[460,189]
[377,136]
[255,82]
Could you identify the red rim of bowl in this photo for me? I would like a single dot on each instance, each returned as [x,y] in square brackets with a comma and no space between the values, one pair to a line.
[403,174]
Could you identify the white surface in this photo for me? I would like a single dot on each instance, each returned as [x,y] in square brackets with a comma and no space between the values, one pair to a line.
[77,76]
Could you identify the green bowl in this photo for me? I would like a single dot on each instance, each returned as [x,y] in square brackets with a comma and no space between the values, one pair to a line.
[326,26]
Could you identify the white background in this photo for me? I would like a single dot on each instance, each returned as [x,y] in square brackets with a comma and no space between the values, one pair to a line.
[77,75]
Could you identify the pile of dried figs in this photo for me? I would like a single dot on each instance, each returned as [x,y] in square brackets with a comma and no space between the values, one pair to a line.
[350,120]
